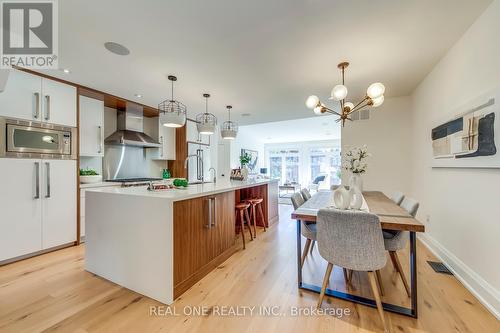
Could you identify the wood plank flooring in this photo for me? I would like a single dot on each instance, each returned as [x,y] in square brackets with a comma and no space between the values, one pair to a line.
[53,293]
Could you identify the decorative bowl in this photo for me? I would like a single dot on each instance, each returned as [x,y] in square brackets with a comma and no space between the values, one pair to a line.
[90,179]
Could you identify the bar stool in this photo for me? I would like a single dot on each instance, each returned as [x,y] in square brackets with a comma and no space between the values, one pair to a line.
[256,203]
[242,211]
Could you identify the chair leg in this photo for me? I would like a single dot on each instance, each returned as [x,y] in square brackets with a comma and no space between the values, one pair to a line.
[325,283]
[304,254]
[249,224]
[373,284]
[262,216]
[395,259]
[242,225]
[254,221]
[379,280]
[346,275]
[312,246]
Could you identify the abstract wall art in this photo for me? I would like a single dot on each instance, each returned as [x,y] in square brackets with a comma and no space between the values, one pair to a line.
[470,139]
[252,166]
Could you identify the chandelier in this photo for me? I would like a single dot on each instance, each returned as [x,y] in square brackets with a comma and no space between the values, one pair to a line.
[374,98]
[172,112]
[229,128]
[206,122]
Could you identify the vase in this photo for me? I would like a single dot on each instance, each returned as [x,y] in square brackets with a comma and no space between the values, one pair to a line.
[244,172]
[356,181]
[341,198]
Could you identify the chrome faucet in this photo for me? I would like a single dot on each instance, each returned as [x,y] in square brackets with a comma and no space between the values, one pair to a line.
[199,159]
[215,174]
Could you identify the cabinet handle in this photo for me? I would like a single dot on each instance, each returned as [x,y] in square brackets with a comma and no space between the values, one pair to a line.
[99,150]
[209,225]
[47,109]
[36,112]
[161,142]
[47,167]
[214,202]
[37,181]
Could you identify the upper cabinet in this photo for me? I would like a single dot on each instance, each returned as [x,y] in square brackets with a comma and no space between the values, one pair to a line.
[164,135]
[192,134]
[91,127]
[31,97]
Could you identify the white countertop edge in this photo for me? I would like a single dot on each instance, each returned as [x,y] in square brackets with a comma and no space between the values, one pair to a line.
[100,184]
[192,191]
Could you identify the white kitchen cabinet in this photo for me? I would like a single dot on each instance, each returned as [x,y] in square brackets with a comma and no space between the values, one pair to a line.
[192,134]
[91,127]
[59,103]
[20,207]
[59,202]
[31,97]
[164,135]
[22,96]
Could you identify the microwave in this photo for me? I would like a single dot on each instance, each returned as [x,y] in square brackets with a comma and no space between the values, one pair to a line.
[28,139]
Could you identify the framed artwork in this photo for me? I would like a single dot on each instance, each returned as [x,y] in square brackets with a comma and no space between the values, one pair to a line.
[471,138]
[252,166]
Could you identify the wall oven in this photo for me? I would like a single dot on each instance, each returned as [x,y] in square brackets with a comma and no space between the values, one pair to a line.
[27,139]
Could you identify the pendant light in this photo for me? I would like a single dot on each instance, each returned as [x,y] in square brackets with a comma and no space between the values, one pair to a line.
[229,128]
[172,112]
[206,122]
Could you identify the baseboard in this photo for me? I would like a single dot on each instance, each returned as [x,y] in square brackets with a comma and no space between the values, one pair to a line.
[482,290]
[37,253]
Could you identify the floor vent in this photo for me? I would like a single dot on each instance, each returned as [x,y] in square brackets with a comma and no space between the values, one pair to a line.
[439,267]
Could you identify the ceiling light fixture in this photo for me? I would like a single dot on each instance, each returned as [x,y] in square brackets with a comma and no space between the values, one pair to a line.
[138,95]
[206,122]
[66,70]
[172,112]
[374,98]
[116,48]
[229,128]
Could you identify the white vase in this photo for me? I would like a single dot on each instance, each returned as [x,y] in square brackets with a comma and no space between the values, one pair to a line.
[356,181]
[355,198]
[244,172]
[341,198]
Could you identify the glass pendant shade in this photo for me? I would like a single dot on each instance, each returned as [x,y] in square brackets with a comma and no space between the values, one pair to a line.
[375,90]
[312,102]
[319,109]
[206,123]
[172,113]
[229,128]
[349,105]
[378,101]
[339,92]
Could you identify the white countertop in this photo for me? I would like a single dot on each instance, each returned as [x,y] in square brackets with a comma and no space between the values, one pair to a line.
[100,184]
[192,191]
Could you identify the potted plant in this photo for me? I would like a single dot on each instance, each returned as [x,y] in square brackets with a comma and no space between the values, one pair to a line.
[244,160]
[89,176]
[354,161]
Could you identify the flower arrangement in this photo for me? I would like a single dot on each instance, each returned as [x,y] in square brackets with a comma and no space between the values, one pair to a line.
[355,160]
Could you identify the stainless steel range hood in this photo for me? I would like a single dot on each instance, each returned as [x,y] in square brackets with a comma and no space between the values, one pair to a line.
[130,129]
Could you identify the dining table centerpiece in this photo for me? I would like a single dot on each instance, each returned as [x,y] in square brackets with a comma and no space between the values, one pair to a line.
[355,161]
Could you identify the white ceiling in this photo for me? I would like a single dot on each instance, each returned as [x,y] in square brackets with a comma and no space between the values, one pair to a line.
[263,57]
[295,130]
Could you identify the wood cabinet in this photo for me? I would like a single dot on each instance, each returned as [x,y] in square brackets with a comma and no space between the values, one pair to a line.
[38,205]
[204,237]
[31,97]
[91,127]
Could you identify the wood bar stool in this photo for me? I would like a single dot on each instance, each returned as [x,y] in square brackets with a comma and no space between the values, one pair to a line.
[242,211]
[256,203]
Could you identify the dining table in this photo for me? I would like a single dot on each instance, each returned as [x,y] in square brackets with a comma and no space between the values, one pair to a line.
[391,216]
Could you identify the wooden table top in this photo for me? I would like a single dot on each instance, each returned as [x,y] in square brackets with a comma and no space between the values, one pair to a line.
[391,216]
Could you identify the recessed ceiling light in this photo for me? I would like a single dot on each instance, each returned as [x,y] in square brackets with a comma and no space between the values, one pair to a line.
[245,114]
[138,95]
[269,138]
[116,48]
[328,133]
[66,70]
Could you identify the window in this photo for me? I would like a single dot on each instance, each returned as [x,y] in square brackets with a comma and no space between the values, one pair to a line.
[292,169]
[325,160]
[275,167]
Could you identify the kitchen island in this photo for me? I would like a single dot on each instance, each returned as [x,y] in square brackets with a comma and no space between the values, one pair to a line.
[160,243]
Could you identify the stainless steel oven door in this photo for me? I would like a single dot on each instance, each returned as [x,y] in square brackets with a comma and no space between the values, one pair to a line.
[25,139]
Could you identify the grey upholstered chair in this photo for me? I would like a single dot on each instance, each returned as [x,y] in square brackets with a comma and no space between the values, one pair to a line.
[307,230]
[397,197]
[305,194]
[352,240]
[397,241]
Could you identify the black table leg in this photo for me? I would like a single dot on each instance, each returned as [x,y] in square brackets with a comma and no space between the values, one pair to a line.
[299,252]
[413,273]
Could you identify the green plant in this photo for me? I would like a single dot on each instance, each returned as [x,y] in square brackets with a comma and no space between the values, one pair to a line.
[245,159]
[180,182]
[88,172]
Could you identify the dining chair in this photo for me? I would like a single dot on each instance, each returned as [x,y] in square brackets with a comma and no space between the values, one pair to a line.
[305,194]
[352,240]
[397,241]
[397,197]
[308,230]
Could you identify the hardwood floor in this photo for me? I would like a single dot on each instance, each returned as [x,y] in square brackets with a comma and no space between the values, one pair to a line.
[52,292]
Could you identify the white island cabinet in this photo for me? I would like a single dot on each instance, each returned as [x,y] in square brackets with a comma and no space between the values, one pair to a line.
[161,243]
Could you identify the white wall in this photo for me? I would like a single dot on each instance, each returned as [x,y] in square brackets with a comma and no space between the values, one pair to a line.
[387,135]
[463,205]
